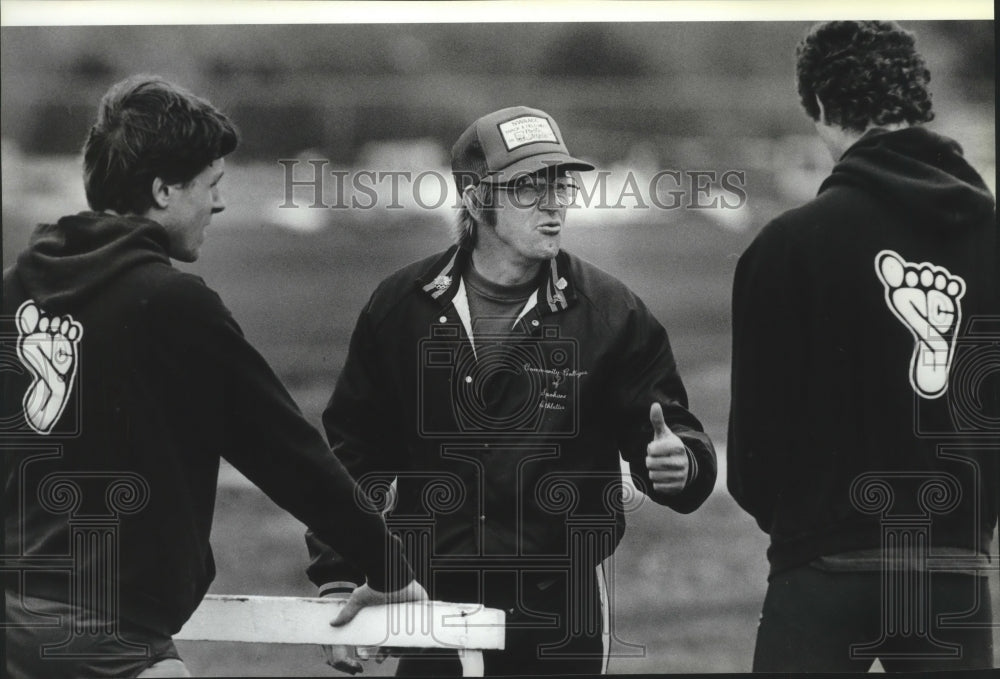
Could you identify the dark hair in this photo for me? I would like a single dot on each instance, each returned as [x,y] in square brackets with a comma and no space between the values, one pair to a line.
[864,72]
[146,128]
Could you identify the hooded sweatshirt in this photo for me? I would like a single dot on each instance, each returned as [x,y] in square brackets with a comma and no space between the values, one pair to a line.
[863,388]
[131,381]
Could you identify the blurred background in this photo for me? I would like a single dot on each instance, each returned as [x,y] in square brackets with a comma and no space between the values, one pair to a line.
[635,99]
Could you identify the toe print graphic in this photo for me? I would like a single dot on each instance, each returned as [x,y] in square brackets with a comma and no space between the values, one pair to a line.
[927,299]
[48,348]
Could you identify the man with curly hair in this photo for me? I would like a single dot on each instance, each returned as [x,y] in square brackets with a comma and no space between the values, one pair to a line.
[854,320]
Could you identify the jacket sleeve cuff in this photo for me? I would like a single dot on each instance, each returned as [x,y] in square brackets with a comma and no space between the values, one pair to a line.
[337,588]
[692,467]
[701,474]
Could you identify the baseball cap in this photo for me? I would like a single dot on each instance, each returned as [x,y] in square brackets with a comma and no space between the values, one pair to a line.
[507,143]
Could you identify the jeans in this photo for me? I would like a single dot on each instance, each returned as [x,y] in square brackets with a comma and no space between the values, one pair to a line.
[812,618]
[67,643]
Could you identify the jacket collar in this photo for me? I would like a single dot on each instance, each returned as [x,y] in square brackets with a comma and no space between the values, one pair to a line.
[556,291]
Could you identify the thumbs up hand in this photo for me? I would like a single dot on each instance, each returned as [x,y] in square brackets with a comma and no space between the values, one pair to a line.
[666,456]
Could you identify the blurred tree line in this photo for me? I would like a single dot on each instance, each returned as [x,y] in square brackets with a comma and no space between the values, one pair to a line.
[334,88]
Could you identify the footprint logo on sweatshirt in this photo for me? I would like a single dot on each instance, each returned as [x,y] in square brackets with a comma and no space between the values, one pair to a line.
[927,299]
[48,347]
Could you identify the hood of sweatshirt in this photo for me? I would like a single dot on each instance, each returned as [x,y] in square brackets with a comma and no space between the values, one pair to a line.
[67,263]
[920,174]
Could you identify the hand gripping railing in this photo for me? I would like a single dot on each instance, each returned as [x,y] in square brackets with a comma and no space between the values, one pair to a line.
[467,628]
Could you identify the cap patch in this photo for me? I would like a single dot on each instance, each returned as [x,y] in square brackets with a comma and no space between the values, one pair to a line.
[526,130]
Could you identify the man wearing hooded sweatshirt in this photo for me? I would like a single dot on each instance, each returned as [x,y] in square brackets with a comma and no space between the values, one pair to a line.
[860,432]
[131,381]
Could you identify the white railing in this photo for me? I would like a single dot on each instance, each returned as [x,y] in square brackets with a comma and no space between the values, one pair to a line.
[467,628]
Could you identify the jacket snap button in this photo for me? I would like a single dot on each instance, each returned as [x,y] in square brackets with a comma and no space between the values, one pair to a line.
[468,378]
[443,319]
[535,322]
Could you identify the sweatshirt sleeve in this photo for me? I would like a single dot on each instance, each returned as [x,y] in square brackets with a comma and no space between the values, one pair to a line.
[363,440]
[230,398]
[766,364]
[648,374]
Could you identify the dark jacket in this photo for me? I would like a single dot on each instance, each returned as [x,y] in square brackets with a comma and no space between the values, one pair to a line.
[823,387]
[165,384]
[505,453]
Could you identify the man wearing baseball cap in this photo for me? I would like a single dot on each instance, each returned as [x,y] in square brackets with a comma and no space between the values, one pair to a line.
[497,385]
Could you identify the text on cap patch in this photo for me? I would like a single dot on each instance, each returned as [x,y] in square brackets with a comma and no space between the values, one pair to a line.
[526,130]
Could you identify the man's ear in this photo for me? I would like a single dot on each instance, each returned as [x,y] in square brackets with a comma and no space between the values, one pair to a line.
[161,193]
[471,201]
[822,110]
